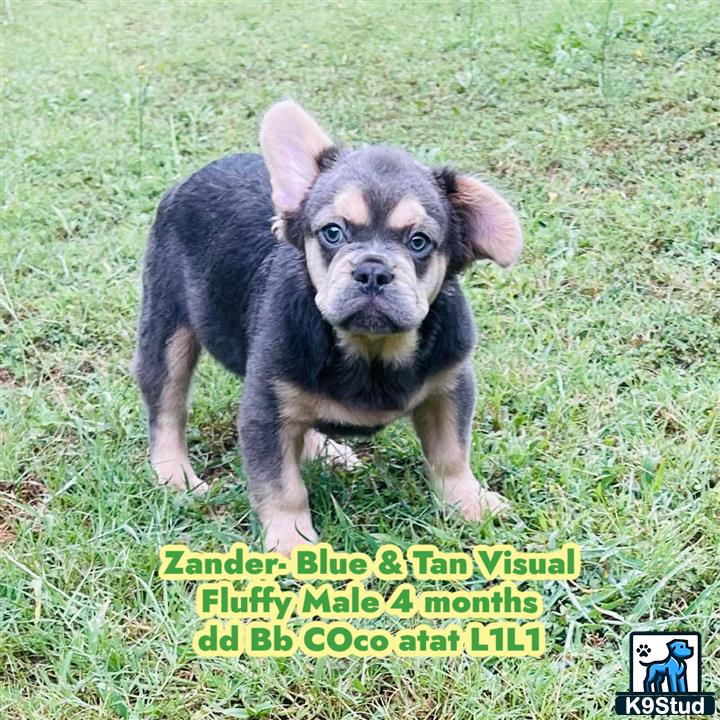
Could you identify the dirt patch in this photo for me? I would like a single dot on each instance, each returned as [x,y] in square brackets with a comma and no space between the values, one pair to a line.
[15,500]
[8,379]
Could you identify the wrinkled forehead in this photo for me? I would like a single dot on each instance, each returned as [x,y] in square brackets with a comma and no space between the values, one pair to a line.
[378,187]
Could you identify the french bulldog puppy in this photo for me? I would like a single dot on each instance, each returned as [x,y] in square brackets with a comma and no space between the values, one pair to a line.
[328,278]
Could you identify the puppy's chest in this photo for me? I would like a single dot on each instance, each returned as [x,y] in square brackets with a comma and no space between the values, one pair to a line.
[342,405]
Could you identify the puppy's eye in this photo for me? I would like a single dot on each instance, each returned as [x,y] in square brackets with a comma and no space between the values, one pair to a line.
[419,243]
[332,234]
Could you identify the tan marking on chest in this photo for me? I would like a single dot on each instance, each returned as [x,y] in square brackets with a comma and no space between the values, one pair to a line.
[306,408]
[391,349]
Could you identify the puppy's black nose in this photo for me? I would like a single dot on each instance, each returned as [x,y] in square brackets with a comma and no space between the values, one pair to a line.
[373,275]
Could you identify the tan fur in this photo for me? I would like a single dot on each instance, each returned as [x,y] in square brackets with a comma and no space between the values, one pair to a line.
[350,204]
[298,405]
[168,452]
[391,349]
[317,445]
[285,513]
[432,281]
[316,266]
[448,459]
[329,283]
[287,130]
[408,213]
[409,290]
[494,228]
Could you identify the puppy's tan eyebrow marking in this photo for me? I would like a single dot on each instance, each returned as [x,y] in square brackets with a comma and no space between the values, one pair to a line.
[408,212]
[350,204]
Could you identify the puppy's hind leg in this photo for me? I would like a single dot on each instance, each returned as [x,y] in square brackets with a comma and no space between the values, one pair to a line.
[164,364]
[317,445]
[443,423]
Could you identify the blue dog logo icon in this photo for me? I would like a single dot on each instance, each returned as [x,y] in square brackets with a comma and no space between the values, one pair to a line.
[672,670]
[665,676]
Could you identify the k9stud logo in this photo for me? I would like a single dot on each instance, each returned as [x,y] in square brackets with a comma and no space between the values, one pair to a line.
[665,676]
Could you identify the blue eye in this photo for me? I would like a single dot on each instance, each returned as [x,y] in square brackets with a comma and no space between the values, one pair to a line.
[332,234]
[418,243]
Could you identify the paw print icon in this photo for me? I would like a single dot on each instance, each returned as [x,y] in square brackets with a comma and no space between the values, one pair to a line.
[643,650]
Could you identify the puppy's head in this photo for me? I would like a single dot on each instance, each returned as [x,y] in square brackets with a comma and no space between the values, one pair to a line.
[380,232]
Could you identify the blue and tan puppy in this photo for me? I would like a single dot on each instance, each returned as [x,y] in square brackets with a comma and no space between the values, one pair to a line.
[327,278]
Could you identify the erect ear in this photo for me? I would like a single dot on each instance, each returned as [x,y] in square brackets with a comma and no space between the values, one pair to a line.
[492,227]
[291,143]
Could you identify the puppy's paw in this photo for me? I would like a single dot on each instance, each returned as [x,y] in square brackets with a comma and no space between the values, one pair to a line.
[342,455]
[318,445]
[473,502]
[493,503]
[181,477]
[286,531]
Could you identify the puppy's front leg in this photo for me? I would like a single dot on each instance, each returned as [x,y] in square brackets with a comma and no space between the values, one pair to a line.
[271,449]
[443,422]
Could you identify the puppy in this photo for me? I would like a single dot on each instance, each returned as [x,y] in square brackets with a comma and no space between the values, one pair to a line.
[328,279]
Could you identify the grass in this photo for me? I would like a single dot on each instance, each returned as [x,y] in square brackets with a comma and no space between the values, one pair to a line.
[598,365]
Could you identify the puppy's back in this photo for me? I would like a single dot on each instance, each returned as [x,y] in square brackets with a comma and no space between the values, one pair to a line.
[211,235]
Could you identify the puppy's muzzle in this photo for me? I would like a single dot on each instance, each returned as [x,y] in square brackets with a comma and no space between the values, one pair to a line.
[372,275]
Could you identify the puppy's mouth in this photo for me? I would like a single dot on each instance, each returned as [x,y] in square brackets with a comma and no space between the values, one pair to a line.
[374,317]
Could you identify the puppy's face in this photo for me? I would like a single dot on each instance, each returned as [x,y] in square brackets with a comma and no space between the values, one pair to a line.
[374,228]
[381,233]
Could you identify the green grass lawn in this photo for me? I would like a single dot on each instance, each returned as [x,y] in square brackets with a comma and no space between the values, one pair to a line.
[598,363]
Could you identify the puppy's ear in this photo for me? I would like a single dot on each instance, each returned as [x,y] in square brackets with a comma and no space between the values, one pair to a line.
[292,144]
[491,226]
